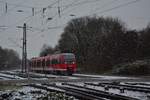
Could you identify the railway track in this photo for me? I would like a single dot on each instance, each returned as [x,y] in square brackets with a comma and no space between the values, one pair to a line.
[8,76]
[77,94]
[145,84]
[24,75]
[81,92]
[104,94]
[123,87]
[85,87]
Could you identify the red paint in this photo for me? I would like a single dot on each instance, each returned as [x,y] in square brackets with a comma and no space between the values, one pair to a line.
[60,62]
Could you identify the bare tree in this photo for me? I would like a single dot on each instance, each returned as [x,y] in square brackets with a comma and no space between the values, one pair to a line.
[46,50]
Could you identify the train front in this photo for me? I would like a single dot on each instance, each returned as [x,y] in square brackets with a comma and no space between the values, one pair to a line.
[70,63]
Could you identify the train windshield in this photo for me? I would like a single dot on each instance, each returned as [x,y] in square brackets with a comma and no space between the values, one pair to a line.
[69,58]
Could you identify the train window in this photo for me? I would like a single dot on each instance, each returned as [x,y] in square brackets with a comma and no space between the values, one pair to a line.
[69,57]
[54,61]
[43,62]
[38,63]
[50,62]
[59,61]
[47,62]
[32,64]
[35,63]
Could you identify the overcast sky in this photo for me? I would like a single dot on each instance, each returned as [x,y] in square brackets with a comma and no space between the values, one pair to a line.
[135,13]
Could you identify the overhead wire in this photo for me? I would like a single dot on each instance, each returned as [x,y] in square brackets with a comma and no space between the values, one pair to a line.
[19,5]
[76,4]
[79,4]
[119,6]
[122,5]
[67,6]
[14,42]
[56,27]
[71,5]
[105,5]
[49,6]
[24,19]
[8,11]
[28,17]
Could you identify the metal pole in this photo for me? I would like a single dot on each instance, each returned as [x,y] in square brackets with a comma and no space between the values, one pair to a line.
[25,48]
[22,58]
[25,52]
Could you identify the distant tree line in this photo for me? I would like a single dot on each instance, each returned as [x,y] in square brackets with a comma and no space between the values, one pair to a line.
[100,43]
[9,59]
[47,50]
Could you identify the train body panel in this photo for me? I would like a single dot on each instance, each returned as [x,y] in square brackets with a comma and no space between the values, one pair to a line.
[63,62]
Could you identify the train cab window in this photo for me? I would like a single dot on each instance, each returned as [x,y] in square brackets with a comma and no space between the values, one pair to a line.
[69,58]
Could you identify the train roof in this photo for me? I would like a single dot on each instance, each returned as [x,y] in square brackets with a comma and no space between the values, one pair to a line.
[61,54]
[53,55]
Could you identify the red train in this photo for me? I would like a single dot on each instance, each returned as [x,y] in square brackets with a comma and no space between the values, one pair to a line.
[63,63]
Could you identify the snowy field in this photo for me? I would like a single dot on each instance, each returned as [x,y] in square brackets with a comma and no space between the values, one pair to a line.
[30,93]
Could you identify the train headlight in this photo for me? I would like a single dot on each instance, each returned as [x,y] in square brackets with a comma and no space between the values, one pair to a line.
[73,62]
[65,62]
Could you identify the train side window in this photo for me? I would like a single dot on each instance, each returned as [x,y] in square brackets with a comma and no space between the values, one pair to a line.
[54,61]
[32,63]
[50,61]
[60,61]
[39,63]
[35,63]
[43,62]
[47,62]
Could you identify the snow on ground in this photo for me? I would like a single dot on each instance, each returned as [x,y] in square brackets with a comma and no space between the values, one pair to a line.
[24,93]
[30,93]
[139,84]
[3,78]
[134,94]
[75,76]
[53,76]
[104,76]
